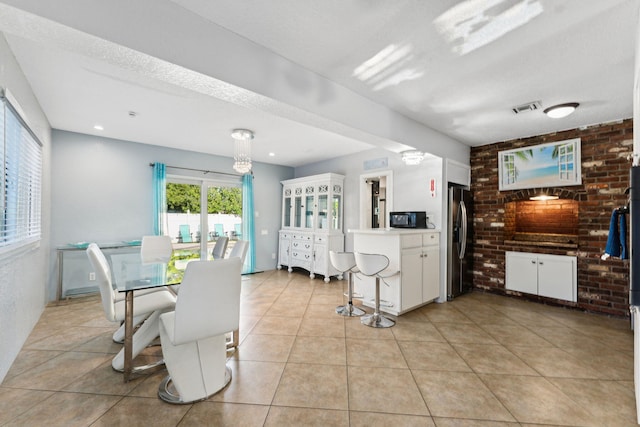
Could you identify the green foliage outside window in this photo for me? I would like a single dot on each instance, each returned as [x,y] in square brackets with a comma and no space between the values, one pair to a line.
[183,198]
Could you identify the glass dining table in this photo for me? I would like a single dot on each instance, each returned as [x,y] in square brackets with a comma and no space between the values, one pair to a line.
[130,274]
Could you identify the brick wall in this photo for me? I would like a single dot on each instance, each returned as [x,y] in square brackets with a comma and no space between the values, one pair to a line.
[606,149]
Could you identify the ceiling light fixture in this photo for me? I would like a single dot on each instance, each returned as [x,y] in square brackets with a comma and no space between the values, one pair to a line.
[561,110]
[412,157]
[98,127]
[242,154]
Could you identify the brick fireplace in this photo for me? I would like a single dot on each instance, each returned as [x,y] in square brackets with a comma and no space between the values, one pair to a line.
[575,224]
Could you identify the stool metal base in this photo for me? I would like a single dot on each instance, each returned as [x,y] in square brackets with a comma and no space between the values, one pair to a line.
[349,310]
[376,320]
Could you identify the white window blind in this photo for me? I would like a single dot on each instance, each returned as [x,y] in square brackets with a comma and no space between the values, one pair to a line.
[20,198]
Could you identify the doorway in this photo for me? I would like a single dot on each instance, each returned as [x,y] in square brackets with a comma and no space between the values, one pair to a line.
[376,199]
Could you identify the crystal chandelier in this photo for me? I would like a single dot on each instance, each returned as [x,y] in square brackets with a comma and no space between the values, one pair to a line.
[242,154]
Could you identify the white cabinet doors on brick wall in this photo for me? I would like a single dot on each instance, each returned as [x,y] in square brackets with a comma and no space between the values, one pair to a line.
[553,276]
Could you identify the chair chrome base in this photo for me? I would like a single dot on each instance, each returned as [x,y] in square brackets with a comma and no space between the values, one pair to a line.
[349,310]
[167,393]
[376,320]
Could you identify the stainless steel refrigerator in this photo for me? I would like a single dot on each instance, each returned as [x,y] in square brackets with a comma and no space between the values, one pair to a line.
[459,241]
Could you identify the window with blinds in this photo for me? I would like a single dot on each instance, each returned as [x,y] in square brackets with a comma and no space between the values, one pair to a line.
[20,198]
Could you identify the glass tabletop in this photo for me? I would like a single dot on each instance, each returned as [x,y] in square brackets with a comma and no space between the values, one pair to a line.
[129,273]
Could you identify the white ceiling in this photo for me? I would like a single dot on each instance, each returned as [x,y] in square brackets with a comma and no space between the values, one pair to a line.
[457,67]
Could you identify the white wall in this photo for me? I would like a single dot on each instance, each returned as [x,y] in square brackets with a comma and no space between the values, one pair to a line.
[23,275]
[102,191]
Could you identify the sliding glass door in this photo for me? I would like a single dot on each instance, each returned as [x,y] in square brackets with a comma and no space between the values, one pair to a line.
[198,213]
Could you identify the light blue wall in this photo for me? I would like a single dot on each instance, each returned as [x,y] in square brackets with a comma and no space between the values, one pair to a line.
[23,274]
[102,191]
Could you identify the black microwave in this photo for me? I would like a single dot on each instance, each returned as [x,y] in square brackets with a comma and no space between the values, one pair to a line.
[414,219]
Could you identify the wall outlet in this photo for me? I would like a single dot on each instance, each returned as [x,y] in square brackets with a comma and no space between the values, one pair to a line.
[92,276]
[264,232]
[273,255]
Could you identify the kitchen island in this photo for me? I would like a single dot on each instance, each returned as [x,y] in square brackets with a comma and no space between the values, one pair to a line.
[414,254]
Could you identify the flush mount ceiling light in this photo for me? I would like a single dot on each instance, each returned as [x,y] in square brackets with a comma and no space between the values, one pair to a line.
[412,157]
[561,110]
[242,154]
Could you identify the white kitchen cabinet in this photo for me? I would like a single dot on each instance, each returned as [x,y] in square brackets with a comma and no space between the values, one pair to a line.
[553,276]
[415,255]
[311,223]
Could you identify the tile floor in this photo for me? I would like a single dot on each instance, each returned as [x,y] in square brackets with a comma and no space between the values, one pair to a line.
[481,360]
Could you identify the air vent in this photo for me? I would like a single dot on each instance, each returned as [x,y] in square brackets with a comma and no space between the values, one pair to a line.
[527,107]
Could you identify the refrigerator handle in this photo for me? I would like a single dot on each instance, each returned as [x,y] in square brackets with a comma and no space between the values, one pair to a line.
[462,234]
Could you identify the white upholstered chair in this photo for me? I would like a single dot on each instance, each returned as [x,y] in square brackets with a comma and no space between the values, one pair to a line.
[153,249]
[220,247]
[239,250]
[146,308]
[193,336]
[156,249]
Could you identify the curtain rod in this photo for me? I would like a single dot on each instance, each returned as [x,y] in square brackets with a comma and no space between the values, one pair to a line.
[200,170]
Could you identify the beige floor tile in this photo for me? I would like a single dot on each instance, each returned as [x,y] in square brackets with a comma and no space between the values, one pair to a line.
[15,401]
[444,313]
[102,380]
[459,395]
[416,331]
[56,373]
[432,356]
[323,311]
[319,350]
[535,400]
[355,329]
[251,382]
[493,359]
[311,327]
[554,362]
[598,397]
[375,353]
[303,337]
[225,414]
[69,338]
[464,333]
[66,409]
[29,359]
[277,325]
[384,390]
[372,419]
[514,334]
[458,422]
[281,416]
[313,386]
[143,412]
[265,348]
[286,310]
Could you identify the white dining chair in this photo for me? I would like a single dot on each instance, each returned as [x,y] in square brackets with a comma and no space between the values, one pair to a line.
[193,337]
[147,307]
[220,247]
[156,249]
[239,250]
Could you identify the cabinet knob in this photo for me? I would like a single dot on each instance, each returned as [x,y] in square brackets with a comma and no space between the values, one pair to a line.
[533,261]
[540,262]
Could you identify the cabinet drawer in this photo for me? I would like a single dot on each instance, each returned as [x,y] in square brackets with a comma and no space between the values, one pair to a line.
[307,237]
[411,241]
[301,245]
[430,239]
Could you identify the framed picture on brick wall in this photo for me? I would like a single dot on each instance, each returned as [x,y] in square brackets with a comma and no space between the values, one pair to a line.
[555,164]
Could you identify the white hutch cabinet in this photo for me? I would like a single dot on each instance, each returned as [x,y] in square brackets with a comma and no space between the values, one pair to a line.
[312,214]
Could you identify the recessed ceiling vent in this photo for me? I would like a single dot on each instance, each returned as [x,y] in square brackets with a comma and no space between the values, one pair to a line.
[531,106]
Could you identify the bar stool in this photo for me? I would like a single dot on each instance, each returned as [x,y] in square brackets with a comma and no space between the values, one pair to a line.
[372,265]
[345,262]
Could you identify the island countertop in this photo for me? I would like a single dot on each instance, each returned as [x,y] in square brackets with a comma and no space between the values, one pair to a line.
[392,231]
